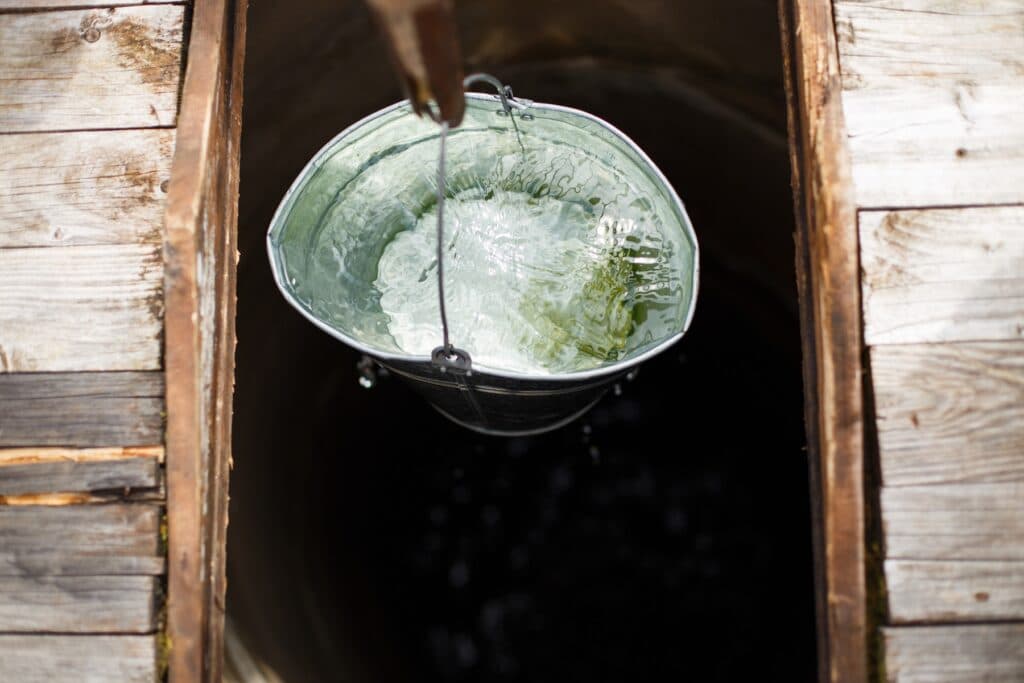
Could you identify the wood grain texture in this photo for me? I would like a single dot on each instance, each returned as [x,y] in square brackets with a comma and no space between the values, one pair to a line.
[58,562]
[950,413]
[81,408]
[90,69]
[81,530]
[932,99]
[201,229]
[892,44]
[988,653]
[954,522]
[943,275]
[33,5]
[829,292]
[954,591]
[81,308]
[60,189]
[27,456]
[99,475]
[78,604]
[78,659]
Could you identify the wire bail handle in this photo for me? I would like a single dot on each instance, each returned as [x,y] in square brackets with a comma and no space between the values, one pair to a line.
[448,358]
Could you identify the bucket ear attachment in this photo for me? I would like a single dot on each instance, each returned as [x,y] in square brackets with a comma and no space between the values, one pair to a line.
[453,360]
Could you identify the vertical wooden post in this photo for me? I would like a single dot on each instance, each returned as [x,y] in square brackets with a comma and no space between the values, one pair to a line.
[200,257]
[829,288]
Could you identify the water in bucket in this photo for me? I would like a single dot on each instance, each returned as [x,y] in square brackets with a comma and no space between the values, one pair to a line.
[567,256]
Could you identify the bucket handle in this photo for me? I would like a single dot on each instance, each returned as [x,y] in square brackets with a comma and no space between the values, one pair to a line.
[448,358]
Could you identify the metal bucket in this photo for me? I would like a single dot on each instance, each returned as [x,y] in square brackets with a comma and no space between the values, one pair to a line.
[486,399]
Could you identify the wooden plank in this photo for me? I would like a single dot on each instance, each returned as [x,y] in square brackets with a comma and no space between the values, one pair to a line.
[892,44]
[81,308]
[81,408]
[84,188]
[33,5]
[99,475]
[201,230]
[78,604]
[78,659]
[90,69]
[954,591]
[26,456]
[90,386]
[943,275]
[81,530]
[918,147]
[829,293]
[950,413]
[989,653]
[60,563]
[954,522]
[932,100]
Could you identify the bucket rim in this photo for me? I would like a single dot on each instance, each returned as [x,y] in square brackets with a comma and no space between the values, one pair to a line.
[611,369]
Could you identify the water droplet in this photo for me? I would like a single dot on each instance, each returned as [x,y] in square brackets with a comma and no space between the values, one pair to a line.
[617,389]
[366,382]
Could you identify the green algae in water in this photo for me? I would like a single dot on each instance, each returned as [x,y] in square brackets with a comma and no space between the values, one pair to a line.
[533,284]
[567,256]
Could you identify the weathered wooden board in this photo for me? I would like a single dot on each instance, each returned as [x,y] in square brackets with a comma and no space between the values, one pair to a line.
[27,5]
[200,294]
[932,99]
[828,284]
[88,187]
[937,146]
[86,386]
[90,69]
[943,275]
[27,456]
[98,475]
[950,413]
[80,530]
[60,563]
[80,408]
[954,591]
[78,604]
[984,653]
[78,659]
[81,308]
[890,44]
[954,522]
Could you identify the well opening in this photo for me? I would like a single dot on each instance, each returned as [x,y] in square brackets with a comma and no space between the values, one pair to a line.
[668,531]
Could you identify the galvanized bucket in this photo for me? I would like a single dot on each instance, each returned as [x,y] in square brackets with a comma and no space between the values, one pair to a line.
[486,399]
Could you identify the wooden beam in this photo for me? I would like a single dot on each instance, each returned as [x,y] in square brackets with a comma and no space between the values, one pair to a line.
[78,659]
[932,99]
[78,604]
[950,413]
[63,189]
[90,69]
[829,289]
[81,530]
[201,226]
[988,653]
[954,590]
[943,275]
[954,522]
[81,408]
[81,309]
